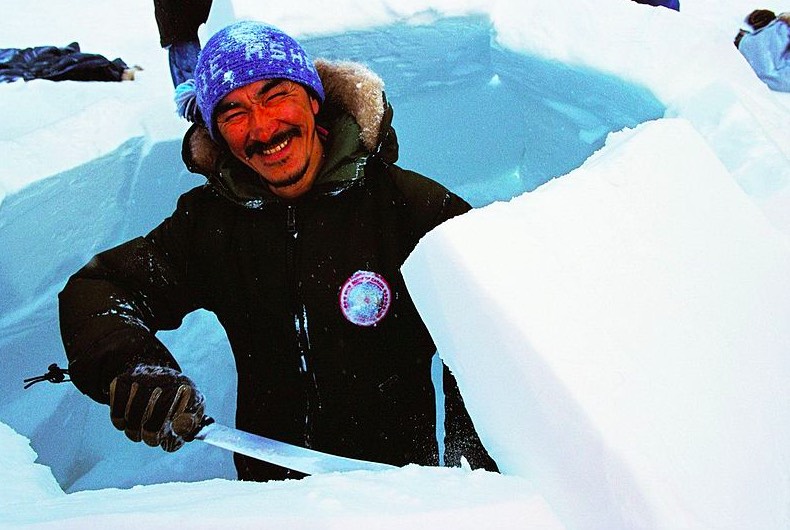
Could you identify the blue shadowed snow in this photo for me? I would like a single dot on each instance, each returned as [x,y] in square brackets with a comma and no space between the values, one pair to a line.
[488,123]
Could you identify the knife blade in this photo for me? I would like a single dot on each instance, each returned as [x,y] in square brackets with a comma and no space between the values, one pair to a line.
[283,454]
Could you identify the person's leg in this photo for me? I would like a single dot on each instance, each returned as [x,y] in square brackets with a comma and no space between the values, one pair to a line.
[183,57]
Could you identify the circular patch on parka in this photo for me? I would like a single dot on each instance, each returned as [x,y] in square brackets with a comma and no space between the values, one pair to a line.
[365,298]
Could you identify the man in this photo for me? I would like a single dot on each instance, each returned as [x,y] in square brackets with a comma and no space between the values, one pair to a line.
[295,243]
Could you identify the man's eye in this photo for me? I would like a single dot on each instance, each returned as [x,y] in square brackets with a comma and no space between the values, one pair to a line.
[276,96]
[230,115]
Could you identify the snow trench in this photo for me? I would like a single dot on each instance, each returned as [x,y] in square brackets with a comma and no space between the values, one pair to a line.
[488,123]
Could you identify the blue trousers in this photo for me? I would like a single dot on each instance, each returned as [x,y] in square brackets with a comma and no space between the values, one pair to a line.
[183,57]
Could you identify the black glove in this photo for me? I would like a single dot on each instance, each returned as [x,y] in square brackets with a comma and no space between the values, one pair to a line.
[156,404]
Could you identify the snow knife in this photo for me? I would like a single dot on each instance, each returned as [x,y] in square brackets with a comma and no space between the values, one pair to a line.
[300,459]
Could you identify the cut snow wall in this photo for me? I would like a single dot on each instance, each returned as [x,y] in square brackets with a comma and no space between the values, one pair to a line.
[621,337]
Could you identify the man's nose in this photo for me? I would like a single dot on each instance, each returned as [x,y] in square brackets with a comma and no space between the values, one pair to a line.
[262,124]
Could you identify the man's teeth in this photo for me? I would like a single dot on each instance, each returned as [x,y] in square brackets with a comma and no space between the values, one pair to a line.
[276,148]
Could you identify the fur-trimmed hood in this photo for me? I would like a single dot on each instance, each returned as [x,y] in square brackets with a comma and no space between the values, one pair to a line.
[356,115]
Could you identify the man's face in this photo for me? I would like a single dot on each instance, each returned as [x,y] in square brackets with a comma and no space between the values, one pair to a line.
[270,126]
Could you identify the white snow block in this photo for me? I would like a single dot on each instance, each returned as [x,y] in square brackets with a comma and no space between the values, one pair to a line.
[621,337]
[21,480]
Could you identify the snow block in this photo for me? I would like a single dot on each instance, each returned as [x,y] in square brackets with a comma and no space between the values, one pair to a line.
[620,336]
[21,480]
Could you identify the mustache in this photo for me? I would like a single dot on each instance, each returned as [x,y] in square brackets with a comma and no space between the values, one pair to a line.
[258,147]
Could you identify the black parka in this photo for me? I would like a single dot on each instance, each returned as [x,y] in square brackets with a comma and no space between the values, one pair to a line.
[273,272]
[54,63]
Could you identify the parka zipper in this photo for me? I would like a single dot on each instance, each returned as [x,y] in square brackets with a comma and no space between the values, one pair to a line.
[299,311]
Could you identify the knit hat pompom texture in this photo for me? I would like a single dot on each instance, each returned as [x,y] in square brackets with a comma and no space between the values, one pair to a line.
[246,52]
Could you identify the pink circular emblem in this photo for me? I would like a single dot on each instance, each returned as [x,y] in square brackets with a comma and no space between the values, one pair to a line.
[365,298]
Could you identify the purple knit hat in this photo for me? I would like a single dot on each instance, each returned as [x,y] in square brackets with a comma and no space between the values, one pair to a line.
[243,53]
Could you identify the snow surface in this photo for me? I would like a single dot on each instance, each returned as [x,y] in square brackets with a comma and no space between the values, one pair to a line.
[618,332]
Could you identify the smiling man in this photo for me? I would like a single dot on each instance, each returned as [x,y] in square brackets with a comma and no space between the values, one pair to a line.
[295,243]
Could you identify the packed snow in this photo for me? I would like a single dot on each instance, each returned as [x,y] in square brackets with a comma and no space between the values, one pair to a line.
[614,309]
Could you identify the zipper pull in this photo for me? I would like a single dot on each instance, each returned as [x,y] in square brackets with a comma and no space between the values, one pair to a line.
[291,221]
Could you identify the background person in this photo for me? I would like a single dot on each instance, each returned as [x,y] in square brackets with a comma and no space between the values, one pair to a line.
[178,22]
[767,48]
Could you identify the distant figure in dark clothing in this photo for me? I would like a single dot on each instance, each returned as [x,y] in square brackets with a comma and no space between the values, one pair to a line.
[61,64]
[178,22]
[671,4]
